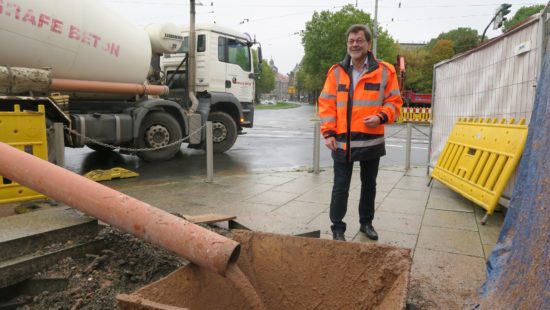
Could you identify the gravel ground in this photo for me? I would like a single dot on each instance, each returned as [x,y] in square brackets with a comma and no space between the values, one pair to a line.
[124,265]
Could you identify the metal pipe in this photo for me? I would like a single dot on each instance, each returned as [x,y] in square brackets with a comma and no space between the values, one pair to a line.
[375,28]
[198,245]
[107,87]
[408,147]
[209,153]
[316,147]
[192,58]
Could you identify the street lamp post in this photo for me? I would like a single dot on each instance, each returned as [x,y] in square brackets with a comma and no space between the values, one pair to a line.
[499,18]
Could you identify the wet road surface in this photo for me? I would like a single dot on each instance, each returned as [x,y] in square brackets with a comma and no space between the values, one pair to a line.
[280,139]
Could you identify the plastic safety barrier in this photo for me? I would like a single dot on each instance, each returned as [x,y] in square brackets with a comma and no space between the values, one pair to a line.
[479,158]
[26,131]
[421,115]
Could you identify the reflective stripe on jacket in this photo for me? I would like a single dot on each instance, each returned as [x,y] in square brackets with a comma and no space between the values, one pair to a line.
[342,110]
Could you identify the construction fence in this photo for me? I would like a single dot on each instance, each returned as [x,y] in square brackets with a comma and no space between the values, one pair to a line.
[26,131]
[417,115]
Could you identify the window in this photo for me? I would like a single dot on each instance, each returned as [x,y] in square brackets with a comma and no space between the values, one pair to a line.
[234,52]
[222,42]
[201,44]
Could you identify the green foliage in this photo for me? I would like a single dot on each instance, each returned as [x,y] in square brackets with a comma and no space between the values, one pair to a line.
[420,63]
[417,70]
[265,81]
[324,44]
[463,39]
[264,76]
[521,15]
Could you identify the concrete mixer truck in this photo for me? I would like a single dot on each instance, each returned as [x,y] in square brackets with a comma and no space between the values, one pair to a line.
[114,85]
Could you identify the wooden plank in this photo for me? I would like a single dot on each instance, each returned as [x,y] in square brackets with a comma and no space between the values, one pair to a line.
[209,218]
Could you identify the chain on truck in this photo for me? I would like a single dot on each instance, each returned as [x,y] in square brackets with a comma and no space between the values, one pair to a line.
[114,85]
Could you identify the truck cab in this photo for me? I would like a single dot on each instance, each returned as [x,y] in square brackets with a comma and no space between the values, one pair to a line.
[224,79]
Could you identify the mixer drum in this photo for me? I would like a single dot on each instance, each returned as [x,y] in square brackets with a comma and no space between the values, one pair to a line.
[82,40]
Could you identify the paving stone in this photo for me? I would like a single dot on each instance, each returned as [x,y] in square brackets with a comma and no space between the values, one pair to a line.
[450,219]
[274,179]
[273,198]
[418,195]
[397,222]
[300,185]
[418,183]
[450,240]
[403,205]
[442,200]
[390,237]
[448,275]
[316,196]
[305,211]
[417,172]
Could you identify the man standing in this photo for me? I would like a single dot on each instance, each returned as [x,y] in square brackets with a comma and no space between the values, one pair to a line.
[360,95]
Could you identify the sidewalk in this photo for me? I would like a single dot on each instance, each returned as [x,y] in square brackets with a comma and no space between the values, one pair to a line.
[449,245]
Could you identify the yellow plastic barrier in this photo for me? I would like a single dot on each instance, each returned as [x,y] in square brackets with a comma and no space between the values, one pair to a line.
[479,158]
[25,130]
[419,115]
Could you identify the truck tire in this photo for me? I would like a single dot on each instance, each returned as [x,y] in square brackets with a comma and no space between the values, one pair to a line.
[159,129]
[224,131]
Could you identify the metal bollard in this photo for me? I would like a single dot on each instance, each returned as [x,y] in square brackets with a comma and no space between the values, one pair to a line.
[408,147]
[59,142]
[316,147]
[209,153]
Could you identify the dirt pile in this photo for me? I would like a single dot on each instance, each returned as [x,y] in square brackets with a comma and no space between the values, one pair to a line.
[124,265]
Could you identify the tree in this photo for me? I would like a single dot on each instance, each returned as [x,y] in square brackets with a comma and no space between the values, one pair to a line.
[521,15]
[420,63]
[265,81]
[264,77]
[463,39]
[324,42]
[416,66]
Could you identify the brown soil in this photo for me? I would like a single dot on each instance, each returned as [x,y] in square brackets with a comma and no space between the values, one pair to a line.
[293,273]
[309,275]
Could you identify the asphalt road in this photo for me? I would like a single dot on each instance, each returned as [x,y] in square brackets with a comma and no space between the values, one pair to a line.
[280,139]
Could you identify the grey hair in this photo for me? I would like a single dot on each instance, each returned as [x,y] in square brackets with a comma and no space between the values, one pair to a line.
[358,27]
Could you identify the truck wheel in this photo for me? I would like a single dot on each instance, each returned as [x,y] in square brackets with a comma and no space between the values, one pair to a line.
[159,129]
[224,131]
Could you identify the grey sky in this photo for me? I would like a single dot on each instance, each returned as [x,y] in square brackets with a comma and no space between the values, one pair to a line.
[275,23]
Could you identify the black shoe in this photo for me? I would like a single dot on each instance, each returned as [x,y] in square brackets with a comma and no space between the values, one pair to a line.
[369,231]
[338,235]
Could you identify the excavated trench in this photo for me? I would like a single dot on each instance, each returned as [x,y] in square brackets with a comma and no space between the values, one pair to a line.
[287,273]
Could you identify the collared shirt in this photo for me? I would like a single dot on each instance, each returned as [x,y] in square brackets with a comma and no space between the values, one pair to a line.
[356,74]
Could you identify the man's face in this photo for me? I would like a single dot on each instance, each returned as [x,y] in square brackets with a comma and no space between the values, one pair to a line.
[357,45]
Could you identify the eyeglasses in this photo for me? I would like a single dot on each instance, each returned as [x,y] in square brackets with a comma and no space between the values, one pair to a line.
[358,41]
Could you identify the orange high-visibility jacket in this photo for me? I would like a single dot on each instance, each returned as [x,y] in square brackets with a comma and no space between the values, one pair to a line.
[342,110]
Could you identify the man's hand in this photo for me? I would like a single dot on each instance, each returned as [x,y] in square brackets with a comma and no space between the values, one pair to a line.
[330,142]
[371,121]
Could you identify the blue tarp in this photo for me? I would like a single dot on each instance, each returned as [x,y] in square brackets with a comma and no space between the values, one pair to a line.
[518,269]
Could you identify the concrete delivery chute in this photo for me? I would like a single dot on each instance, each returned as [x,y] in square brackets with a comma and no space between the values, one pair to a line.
[115,76]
